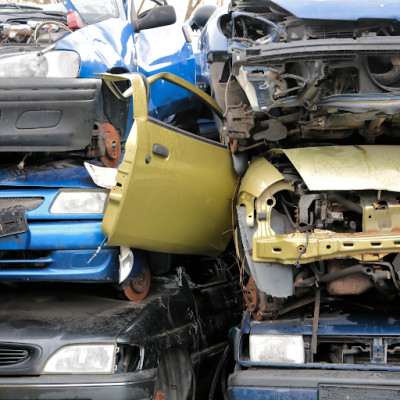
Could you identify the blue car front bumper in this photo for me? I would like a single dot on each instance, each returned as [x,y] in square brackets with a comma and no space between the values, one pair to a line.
[58,247]
[295,384]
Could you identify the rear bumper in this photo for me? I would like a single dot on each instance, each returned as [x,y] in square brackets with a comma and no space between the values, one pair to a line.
[285,384]
[47,114]
[135,386]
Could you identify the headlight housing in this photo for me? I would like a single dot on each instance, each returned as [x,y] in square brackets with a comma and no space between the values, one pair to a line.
[85,201]
[52,64]
[288,349]
[82,359]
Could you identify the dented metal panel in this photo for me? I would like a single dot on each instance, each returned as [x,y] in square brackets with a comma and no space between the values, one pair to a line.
[174,189]
[348,167]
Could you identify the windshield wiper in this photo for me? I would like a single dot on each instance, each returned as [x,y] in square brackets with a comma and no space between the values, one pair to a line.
[19,6]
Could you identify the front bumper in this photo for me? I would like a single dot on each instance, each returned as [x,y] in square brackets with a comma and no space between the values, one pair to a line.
[313,384]
[47,114]
[132,386]
[55,251]
[62,251]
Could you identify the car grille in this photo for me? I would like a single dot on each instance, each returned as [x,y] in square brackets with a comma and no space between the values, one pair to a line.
[10,355]
[29,203]
[24,259]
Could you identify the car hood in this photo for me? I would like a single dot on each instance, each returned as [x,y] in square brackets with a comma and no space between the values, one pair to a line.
[331,324]
[40,312]
[341,9]
[348,167]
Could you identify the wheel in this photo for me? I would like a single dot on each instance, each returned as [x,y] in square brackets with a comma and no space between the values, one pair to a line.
[175,377]
[139,287]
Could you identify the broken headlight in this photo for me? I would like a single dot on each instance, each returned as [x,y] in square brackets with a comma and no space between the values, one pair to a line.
[52,64]
[79,202]
[287,349]
[82,359]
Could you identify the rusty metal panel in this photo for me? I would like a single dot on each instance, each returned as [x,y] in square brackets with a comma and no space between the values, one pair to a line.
[349,285]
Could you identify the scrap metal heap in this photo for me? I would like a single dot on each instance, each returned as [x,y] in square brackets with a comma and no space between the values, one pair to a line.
[312,110]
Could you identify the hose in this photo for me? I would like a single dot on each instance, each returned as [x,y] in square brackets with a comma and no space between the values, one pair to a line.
[345,202]
[355,269]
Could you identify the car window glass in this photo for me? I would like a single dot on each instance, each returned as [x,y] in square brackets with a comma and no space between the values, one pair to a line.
[91,10]
[96,10]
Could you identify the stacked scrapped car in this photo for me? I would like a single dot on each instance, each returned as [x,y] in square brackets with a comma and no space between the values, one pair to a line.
[55,113]
[312,99]
[310,93]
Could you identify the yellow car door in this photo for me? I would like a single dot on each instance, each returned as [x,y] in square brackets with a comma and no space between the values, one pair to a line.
[174,189]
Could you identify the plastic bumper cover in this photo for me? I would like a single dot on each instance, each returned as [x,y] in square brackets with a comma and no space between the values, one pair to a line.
[312,384]
[137,385]
[47,114]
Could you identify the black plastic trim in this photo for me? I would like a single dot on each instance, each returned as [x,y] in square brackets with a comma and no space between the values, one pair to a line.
[47,114]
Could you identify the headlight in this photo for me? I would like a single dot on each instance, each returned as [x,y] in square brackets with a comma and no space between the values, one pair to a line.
[53,64]
[277,349]
[79,202]
[82,359]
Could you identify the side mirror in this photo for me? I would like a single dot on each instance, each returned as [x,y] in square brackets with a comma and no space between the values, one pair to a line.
[155,17]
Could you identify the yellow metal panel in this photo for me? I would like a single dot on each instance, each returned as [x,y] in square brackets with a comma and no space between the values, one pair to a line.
[323,245]
[180,203]
[260,175]
[348,167]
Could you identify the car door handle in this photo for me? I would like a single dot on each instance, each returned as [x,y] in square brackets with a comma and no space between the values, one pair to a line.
[160,150]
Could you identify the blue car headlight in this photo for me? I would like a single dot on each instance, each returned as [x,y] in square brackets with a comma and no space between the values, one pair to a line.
[79,201]
[52,64]
[288,349]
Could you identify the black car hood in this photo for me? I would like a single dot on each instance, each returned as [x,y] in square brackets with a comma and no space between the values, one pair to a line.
[53,313]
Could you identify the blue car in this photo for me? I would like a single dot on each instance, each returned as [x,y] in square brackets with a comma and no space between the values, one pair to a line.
[355,355]
[56,113]
[50,97]
[51,215]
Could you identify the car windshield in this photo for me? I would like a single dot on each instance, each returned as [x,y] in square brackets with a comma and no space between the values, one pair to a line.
[91,10]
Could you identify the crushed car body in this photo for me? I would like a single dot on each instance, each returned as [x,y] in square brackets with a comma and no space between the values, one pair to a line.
[49,96]
[54,120]
[296,78]
[61,343]
[356,355]
[310,96]
[51,215]
[174,188]
[311,107]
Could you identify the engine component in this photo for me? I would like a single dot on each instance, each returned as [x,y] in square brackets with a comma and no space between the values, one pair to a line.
[112,146]
[240,120]
[258,302]
[347,285]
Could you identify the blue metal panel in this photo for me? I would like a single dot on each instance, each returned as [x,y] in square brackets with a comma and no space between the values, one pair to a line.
[70,266]
[174,55]
[112,43]
[59,235]
[102,46]
[212,39]
[60,177]
[67,265]
[248,393]
[342,9]
[333,325]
